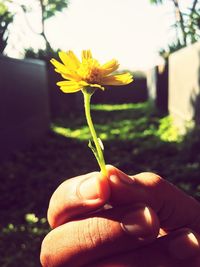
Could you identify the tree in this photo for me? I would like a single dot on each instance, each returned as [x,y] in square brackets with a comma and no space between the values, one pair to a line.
[194,22]
[5,19]
[47,9]
[188,24]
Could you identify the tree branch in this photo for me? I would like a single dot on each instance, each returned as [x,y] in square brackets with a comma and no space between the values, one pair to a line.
[43,34]
[180,20]
[194,6]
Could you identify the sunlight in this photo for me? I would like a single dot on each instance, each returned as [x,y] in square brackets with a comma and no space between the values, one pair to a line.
[121,124]
[193,239]
[147,215]
[109,107]
[132,30]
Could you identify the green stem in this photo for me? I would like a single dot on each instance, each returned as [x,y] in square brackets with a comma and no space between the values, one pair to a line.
[100,159]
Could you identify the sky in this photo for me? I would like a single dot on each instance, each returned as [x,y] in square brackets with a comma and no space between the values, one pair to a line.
[131,31]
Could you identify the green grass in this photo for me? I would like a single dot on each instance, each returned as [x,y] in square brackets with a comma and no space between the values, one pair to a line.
[135,139]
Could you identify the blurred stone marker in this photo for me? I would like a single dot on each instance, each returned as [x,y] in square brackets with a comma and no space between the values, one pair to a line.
[184,86]
[24,104]
[157,84]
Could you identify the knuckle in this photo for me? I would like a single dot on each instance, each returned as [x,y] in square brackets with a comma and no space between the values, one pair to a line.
[152,179]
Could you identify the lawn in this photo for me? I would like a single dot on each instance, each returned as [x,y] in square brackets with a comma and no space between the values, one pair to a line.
[135,138]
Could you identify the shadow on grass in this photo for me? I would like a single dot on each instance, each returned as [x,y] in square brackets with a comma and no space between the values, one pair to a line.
[135,138]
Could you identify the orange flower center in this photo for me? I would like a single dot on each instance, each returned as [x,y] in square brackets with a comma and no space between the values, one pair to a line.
[93,76]
[90,72]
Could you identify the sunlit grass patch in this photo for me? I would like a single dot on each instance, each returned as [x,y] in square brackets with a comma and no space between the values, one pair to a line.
[123,124]
[111,107]
[167,131]
[120,130]
[82,133]
[135,138]
[21,242]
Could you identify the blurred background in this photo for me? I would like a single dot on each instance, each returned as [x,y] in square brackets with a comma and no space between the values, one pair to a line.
[152,124]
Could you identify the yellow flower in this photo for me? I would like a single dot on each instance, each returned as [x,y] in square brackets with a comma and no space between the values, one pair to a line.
[87,73]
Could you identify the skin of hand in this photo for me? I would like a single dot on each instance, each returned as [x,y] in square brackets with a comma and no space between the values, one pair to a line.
[121,221]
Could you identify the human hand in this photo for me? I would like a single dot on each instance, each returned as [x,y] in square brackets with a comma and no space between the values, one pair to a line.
[85,235]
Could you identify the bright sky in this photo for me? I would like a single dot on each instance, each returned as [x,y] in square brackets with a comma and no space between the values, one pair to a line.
[131,31]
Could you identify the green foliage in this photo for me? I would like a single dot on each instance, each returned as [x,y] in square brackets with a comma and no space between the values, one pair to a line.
[135,139]
[173,47]
[43,54]
[53,6]
[167,131]
[21,243]
[6,18]
[193,24]
[46,8]
[3,9]
[187,26]
[156,1]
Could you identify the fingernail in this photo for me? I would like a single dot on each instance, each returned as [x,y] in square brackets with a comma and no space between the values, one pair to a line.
[122,177]
[136,223]
[184,246]
[88,189]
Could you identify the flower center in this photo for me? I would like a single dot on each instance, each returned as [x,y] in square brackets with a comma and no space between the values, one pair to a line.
[90,72]
[93,76]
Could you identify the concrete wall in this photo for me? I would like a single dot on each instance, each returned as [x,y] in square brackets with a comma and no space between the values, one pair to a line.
[24,107]
[157,84]
[60,103]
[152,76]
[184,86]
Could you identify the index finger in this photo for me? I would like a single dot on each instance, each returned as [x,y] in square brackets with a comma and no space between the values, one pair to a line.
[174,208]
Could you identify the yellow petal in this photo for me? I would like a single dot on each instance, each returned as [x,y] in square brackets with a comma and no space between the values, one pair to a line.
[69,83]
[71,75]
[110,66]
[59,66]
[71,86]
[74,58]
[97,86]
[69,59]
[86,54]
[119,79]
[68,90]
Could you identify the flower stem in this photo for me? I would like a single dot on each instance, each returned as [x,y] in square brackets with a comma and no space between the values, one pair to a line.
[99,156]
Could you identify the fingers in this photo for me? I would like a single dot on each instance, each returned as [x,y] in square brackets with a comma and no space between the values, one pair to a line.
[78,243]
[76,196]
[87,193]
[175,209]
[180,248]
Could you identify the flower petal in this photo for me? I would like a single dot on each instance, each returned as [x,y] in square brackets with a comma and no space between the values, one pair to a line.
[70,86]
[88,72]
[69,59]
[86,54]
[69,75]
[74,58]
[119,79]
[69,83]
[97,86]
[110,66]
[59,66]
